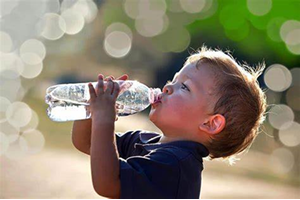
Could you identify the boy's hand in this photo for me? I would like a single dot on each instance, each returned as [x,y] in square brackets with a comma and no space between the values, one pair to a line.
[103,103]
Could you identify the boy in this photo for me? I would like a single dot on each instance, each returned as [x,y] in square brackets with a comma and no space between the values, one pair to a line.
[212,107]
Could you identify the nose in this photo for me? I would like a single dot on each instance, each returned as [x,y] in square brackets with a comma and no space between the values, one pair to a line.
[167,89]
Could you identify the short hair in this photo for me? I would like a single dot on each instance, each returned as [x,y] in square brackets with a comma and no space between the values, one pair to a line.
[239,99]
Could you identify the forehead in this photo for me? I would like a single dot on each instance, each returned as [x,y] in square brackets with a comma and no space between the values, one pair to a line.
[200,76]
[189,68]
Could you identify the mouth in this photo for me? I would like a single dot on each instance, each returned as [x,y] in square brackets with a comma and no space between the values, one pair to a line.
[158,100]
[154,105]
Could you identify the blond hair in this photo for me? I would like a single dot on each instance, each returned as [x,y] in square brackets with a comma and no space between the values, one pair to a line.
[239,99]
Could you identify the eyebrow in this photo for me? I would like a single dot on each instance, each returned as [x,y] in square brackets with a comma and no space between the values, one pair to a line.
[186,76]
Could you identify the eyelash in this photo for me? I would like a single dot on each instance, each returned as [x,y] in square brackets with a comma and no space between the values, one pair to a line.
[168,82]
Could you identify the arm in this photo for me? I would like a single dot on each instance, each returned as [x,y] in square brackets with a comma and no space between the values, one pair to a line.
[82,129]
[105,160]
[103,151]
[81,135]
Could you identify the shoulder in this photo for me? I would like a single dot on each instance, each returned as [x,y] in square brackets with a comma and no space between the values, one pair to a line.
[182,157]
[177,152]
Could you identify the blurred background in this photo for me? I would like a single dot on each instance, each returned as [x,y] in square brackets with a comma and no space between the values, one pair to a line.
[48,42]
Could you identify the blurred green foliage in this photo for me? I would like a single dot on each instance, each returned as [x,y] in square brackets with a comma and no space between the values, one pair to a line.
[232,26]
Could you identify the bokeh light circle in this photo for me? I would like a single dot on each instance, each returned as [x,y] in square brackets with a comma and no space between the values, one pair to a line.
[32,141]
[118,26]
[117,44]
[74,21]
[11,66]
[131,8]
[281,116]
[31,58]
[87,8]
[149,27]
[67,4]
[14,151]
[54,26]
[292,37]
[32,71]
[33,46]
[287,27]
[192,6]
[7,6]
[33,123]
[278,78]
[32,52]
[18,114]
[259,7]
[291,136]
[282,160]
[11,132]
[6,42]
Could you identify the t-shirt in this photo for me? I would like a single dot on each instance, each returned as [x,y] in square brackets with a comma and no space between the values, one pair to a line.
[149,169]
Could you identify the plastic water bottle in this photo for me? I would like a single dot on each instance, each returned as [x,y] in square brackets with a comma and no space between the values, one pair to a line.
[68,102]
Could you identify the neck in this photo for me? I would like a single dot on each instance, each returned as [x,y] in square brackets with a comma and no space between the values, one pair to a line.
[165,139]
[200,138]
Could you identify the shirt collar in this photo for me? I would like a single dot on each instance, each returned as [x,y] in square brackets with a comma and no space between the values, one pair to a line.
[149,141]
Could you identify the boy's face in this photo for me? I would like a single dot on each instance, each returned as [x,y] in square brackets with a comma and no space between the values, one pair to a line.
[185,102]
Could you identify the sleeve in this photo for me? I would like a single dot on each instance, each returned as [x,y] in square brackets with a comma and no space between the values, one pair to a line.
[155,175]
[125,142]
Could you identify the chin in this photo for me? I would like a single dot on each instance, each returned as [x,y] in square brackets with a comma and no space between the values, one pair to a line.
[154,117]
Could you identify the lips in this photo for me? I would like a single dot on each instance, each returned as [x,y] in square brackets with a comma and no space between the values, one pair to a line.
[158,100]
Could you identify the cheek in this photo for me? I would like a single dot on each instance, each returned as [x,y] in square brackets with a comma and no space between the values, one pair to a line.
[177,107]
[184,108]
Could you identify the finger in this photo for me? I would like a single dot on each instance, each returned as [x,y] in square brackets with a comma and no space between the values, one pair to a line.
[116,90]
[100,84]
[92,92]
[112,77]
[110,86]
[123,77]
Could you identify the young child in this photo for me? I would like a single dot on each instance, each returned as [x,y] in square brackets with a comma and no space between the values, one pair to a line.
[213,107]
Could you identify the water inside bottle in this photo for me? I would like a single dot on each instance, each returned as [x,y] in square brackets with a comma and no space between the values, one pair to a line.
[71,102]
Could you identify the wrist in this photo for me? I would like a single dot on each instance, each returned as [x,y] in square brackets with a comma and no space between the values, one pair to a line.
[101,118]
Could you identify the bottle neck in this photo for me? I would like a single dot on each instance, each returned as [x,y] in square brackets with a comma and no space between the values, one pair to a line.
[154,92]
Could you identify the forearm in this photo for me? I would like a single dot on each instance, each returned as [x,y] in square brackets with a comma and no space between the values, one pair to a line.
[105,160]
[81,135]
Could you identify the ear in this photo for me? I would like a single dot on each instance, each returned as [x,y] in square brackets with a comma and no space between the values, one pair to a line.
[213,125]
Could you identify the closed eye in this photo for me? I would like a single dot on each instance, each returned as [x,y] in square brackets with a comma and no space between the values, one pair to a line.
[183,85]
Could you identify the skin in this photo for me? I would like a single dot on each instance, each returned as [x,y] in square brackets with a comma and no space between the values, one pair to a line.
[185,111]
[183,114]
[104,156]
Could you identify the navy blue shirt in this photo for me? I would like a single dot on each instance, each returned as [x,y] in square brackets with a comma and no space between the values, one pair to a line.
[149,169]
